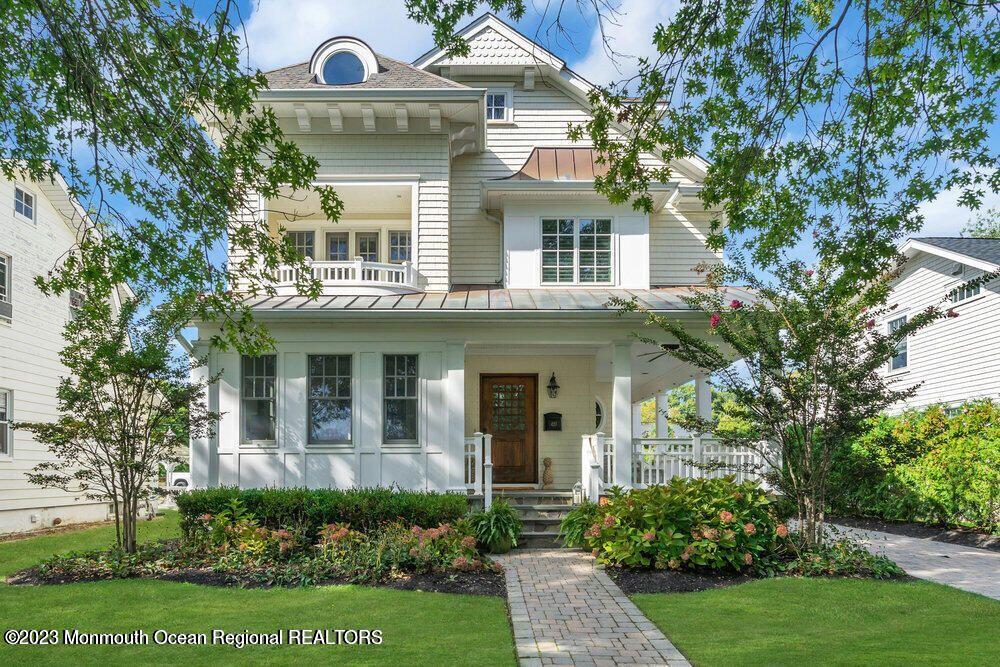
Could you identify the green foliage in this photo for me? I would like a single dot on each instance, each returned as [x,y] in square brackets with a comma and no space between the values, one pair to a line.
[688,524]
[498,527]
[841,558]
[577,521]
[925,465]
[311,509]
[986,224]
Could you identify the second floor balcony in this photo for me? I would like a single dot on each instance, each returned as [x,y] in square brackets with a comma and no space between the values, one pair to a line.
[357,276]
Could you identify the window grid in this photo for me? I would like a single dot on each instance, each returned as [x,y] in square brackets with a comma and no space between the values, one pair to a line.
[304,242]
[399,247]
[24,203]
[595,250]
[496,106]
[258,392]
[330,409]
[5,419]
[899,360]
[5,278]
[400,398]
[576,250]
[338,247]
[367,243]
[964,292]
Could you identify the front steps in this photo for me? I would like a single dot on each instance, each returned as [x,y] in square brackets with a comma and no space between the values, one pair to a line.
[541,513]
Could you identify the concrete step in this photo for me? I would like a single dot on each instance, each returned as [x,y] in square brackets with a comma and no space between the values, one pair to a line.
[541,524]
[536,540]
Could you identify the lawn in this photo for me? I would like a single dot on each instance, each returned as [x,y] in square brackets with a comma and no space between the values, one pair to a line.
[829,622]
[417,628]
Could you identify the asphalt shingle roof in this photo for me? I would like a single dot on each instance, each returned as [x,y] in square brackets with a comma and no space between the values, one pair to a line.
[391,74]
[987,250]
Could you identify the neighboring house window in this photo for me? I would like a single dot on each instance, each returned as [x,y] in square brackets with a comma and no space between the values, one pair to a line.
[400,397]
[5,287]
[399,247]
[304,242]
[964,292]
[367,243]
[329,398]
[337,247]
[258,393]
[576,250]
[75,303]
[6,434]
[24,203]
[898,360]
[598,415]
[498,104]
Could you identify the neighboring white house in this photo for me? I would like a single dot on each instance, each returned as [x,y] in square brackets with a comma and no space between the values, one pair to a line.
[471,270]
[38,225]
[955,359]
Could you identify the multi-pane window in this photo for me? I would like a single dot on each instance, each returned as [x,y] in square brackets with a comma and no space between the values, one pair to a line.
[75,303]
[304,242]
[496,106]
[576,250]
[5,419]
[338,246]
[964,292]
[899,359]
[329,398]
[24,203]
[367,243]
[400,397]
[399,247]
[5,287]
[258,397]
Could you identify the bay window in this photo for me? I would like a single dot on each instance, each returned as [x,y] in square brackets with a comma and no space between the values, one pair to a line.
[399,398]
[258,394]
[576,251]
[330,399]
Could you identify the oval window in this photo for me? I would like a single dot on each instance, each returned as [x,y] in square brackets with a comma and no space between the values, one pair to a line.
[343,68]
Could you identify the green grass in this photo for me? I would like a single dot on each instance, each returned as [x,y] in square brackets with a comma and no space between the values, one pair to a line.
[794,621]
[417,628]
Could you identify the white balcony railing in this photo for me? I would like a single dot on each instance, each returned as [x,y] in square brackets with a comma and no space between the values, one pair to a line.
[357,273]
[479,466]
[656,460]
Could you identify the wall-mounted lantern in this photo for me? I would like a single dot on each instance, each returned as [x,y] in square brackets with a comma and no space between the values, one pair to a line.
[553,386]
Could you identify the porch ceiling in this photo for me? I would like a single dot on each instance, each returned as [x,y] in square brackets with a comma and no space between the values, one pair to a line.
[383,200]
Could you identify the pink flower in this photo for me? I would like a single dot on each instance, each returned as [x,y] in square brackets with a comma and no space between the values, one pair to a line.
[809,273]
[951,313]
[870,324]
[206,517]
[710,534]
[648,536]
[781,530]
[469,542]
[609,521]
[460,563]
[749,528]
[714,320]
[725,516]
[748,558]
[735,304]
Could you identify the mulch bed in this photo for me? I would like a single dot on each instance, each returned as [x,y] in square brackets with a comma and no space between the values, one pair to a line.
[484,582]
[670,581]
[961,536]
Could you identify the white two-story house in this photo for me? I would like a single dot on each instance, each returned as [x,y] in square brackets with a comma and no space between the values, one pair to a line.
[956,359]
[39,223]
[465,289]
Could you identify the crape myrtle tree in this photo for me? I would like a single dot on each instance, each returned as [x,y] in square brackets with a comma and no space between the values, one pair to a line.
[126,405]
[147,111]
[809,377]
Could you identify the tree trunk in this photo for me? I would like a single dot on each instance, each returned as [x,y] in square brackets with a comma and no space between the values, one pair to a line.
[811,519]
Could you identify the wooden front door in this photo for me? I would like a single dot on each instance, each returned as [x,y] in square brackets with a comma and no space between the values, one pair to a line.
[508,410]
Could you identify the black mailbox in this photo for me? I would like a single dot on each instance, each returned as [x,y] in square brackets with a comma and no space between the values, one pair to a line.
[553,421]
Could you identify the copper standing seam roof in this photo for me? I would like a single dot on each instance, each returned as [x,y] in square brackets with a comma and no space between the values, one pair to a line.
[560,164]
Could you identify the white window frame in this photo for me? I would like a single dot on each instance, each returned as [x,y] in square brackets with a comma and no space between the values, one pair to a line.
[613,250]
[293,235]
[25,192]
[7,287]
[956,296]
[904,342]
[75,303]
[7,411]
[277,391]
[349,441]
[599,405]
[508,93]
[409,245]
[406,442]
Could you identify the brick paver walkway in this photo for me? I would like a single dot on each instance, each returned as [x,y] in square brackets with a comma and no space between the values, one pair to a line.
[968,568]
[567,612]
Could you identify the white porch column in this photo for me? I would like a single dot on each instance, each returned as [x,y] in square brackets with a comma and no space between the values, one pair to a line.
[703,408]
[203,456]
[455,400]
[621,410]
[637,430]
[661,414]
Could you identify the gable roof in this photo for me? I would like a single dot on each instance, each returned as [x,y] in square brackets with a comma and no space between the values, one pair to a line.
[981,253]
[391,74]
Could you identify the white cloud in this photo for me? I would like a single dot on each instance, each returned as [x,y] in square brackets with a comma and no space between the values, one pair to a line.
[284,32]
[631,39]
[944,217]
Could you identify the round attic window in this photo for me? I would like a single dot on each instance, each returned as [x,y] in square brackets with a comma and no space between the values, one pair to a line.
[343,68]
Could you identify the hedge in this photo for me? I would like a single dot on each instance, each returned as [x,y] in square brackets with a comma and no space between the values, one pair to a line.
[312,509]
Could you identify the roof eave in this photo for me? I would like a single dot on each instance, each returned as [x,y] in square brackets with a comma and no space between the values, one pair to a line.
[912,246]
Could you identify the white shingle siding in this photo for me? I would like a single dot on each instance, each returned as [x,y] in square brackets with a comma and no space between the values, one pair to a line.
[488,47]
[29,361]
[955,359]
[541,117]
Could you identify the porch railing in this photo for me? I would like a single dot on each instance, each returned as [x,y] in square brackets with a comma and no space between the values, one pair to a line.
[479,466]
[597,464]
[657,460]
[358,272]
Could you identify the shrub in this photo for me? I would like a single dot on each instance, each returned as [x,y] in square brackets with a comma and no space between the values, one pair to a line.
[498,527]
[577,521]
[841,558]
[924,466]
[312,509]
[700,524]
